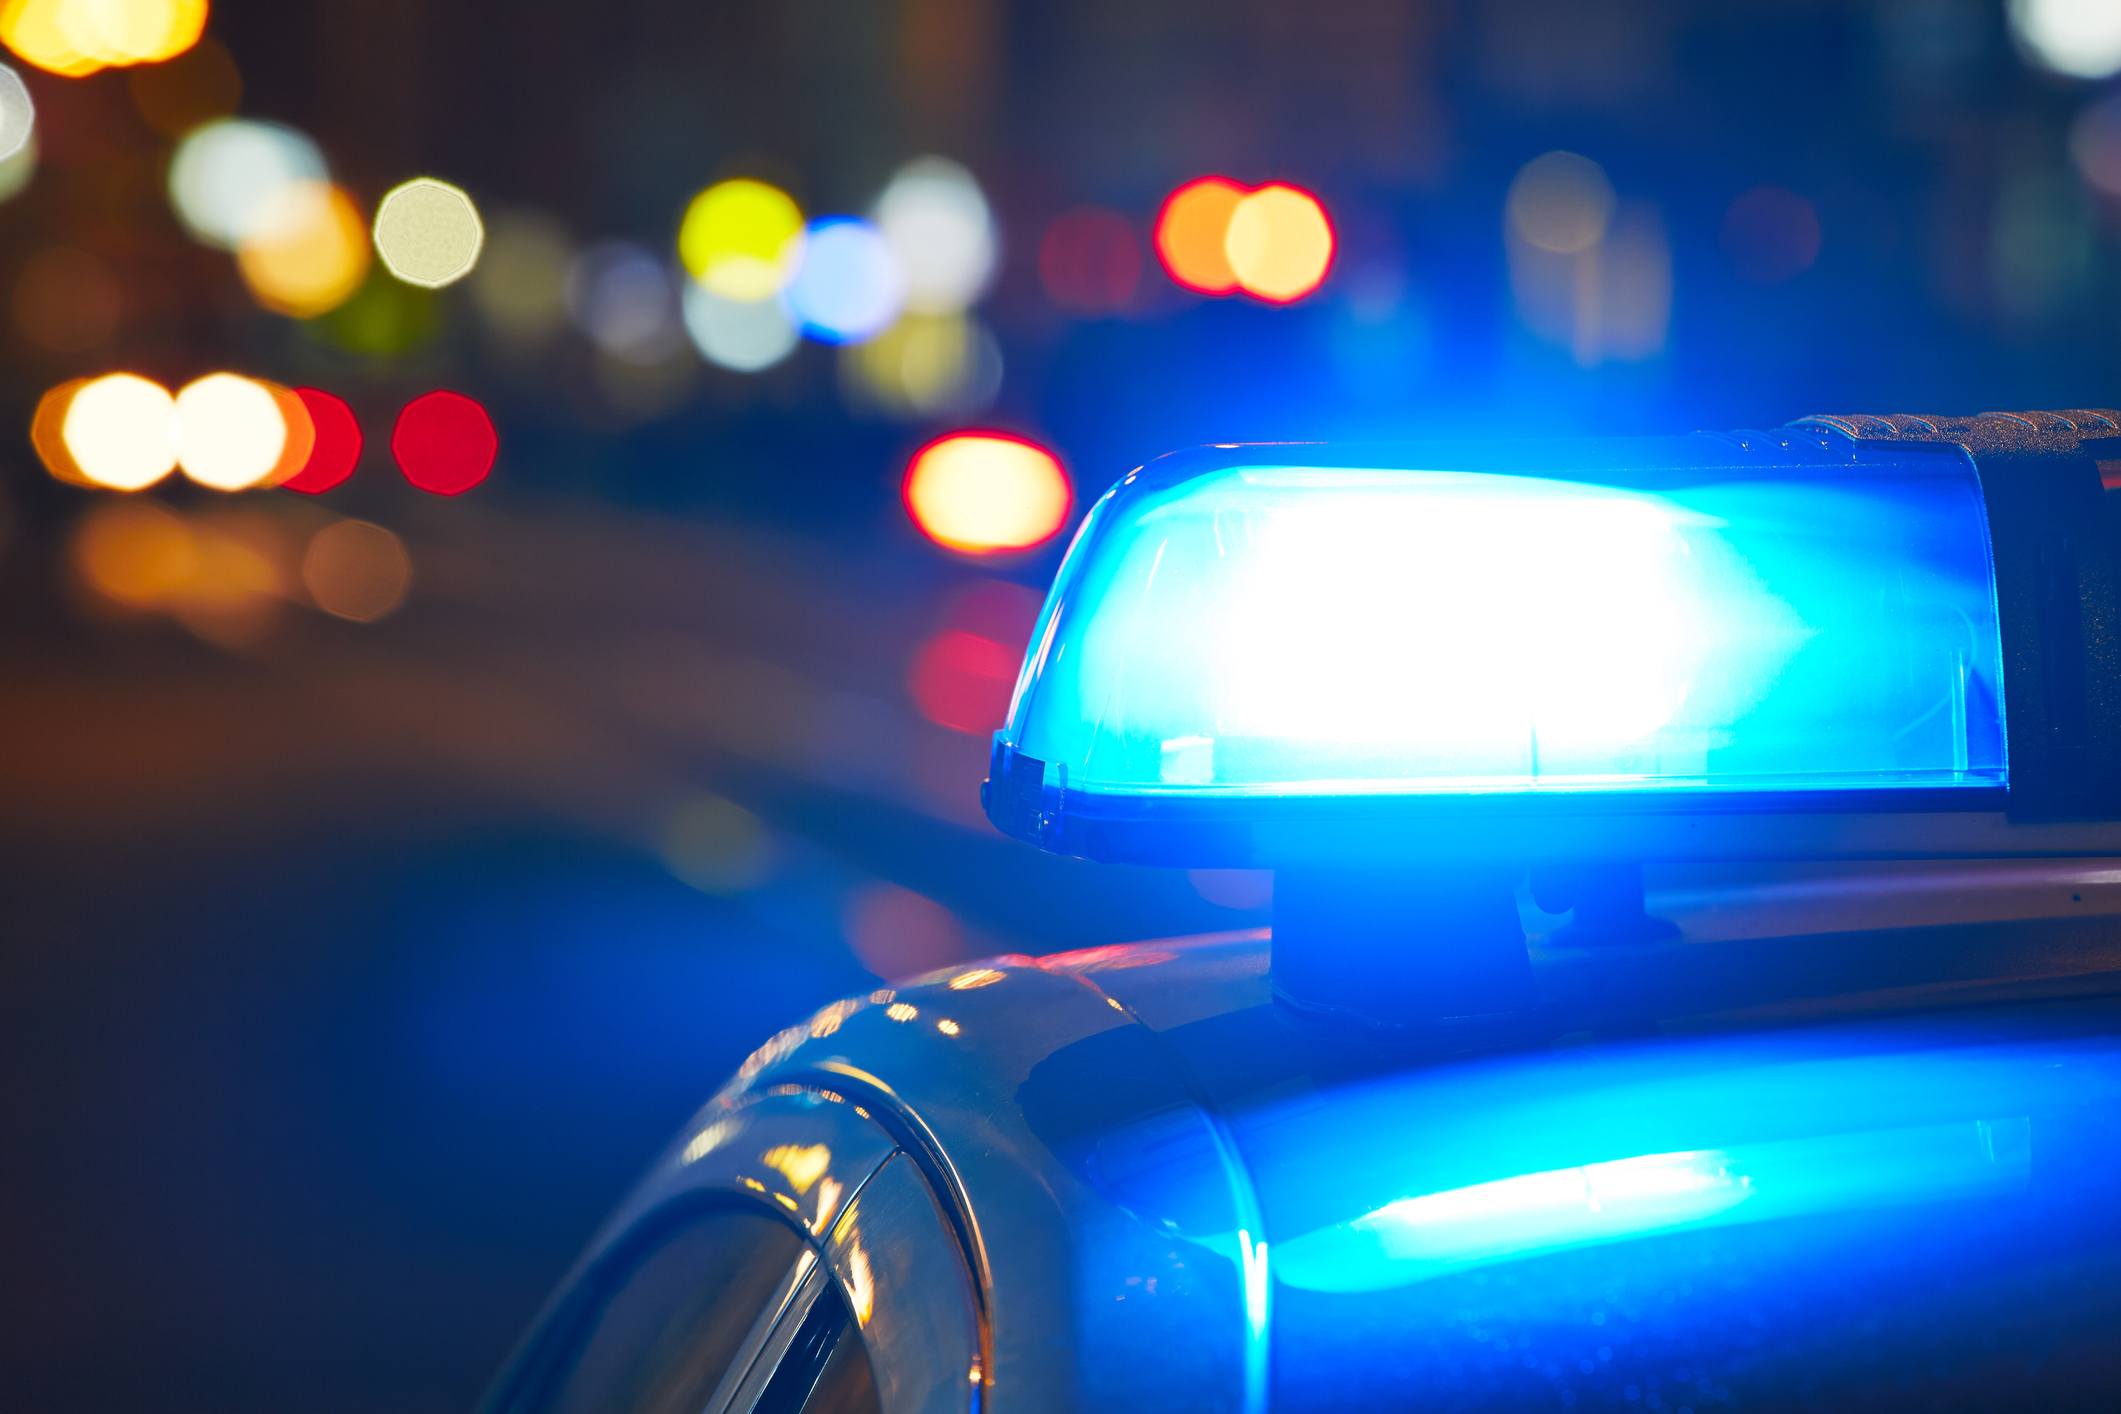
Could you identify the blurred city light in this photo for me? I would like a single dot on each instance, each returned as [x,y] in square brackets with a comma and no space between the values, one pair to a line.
[741,239]
[240,580]
[1192,234]
[47,433]
[336,448]
[626,301]
[1279,243]
[1595,276]
[428,232]
[2095,144]
[847,285]
[119,430]
[197,87]
[301,442]
[42,32]
[962,681]
[229,179]
[17,170]
[18,114]
[444,442]
[936,221]
[2080,38]
[230,431]
[520,282]
[310,253]
[119,32]
[135,552]
[385,318]
[66,300]
[984,493]
[744,335]
[715,845]
[1560,203]
[898,933]
[1771,234]
[926,364]
[1090,260]
[356,570]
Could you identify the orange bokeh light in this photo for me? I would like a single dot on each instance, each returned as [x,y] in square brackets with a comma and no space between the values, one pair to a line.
[985,493]
[75,38]
[1192,234]
[47,434]
[1279,243]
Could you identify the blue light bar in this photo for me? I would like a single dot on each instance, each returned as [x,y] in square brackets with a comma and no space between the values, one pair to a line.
[1674,618]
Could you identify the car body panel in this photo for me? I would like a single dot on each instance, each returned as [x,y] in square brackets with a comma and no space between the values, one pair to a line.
[1835,1166]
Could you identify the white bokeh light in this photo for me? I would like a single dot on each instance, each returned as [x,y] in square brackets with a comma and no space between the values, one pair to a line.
[18,114]
[228,179]
[937,223]
[2080,38]
[230,431]
[744,335]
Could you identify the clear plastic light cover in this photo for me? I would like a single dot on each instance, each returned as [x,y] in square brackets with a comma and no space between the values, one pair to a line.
[1678,616]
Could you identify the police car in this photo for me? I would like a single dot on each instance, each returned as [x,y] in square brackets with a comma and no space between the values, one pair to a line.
[1848,1134]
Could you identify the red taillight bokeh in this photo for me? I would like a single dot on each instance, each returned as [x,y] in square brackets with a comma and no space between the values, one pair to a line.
[338,443]
[444,442]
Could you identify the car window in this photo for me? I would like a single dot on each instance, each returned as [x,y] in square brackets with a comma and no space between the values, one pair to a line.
[826,1370]
[661,1340]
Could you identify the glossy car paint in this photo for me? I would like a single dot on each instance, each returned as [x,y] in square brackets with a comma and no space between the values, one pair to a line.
[1839,1167]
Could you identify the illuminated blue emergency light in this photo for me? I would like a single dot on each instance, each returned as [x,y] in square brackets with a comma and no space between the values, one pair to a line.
[1273,638]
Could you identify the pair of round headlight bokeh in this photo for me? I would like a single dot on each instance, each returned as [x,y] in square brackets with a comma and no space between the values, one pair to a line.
[125,432]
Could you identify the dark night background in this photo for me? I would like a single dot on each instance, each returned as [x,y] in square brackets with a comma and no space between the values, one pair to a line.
[350,970]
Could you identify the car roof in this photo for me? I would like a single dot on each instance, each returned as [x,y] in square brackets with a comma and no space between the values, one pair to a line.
[1172,1188]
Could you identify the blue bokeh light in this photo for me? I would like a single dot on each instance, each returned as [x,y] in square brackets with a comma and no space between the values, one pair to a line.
[1689,620]
[849,287]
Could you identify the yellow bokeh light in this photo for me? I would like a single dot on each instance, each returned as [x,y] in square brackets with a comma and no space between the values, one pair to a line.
[428,233]
[118,32]
[356,570]
[520,284]
[924,364]
[135,553]
[1279,243]
[716,845]
[42,32]
[230,432]
[75,38]
[311,255]
[120,431]
[741,239]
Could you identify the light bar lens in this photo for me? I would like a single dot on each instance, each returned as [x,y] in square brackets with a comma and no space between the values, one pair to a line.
[1280,629]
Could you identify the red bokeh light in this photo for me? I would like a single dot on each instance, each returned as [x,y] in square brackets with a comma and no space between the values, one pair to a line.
[338,446]
[1090,259]
[962,681]
[896,932]
[444,442]
[1771,234]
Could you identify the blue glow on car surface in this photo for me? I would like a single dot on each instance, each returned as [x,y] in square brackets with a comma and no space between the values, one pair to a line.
[1260,628]
[1560,1226]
